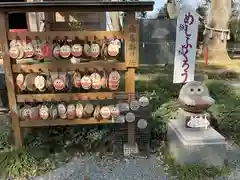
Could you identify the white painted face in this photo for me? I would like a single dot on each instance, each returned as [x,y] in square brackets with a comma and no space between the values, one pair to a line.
[59,84]
[71,111]
[115,111]
[86,82]
[40,82]
[77,80]
[28,50]
[39,53]
[79,110]
[76,50]
[96,81]
[61,109]
[44,112]
[14,52]
[56,51]
[20,79]
[113,49]
[95,50]
[105,112]
[65,51]
[26,113]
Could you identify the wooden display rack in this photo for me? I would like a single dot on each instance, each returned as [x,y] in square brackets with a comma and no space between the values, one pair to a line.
[130,35]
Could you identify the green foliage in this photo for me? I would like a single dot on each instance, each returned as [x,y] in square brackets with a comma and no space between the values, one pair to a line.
[226,110]
[17,163]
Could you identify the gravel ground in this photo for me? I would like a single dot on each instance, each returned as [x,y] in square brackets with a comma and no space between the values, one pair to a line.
[138,168]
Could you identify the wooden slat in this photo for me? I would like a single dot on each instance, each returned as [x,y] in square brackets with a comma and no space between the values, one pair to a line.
[62,34]
[67,66]
[76,6]
[62,122]
[69,96]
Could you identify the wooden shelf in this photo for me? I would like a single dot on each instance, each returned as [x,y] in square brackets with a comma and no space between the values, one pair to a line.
[65,65]
[63,122]
[51,35]
[70,96]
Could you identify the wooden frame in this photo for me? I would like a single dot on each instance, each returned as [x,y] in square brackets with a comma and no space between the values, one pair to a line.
[130,35]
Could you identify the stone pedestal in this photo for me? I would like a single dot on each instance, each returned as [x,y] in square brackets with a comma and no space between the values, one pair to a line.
[129,149]
[196,146]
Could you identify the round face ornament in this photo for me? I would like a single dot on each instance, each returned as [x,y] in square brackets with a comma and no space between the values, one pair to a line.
[95,50]
[56,51]
[134,105]
[79,110]
[96,81]
[87,50]
[20,79]
[86,82]
[105,112]
[77,80]
[44,112]
[28,50]
[26,113]
[130,117]
[115,112]
[76,50]
[39,53]
[59,84]
[142,124]
[62,111]
[40,82]
[65,51]
[71,111]
[14,52]
[113,49]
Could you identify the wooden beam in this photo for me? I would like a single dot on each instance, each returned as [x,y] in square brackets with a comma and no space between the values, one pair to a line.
[7,63]
[70,96]
[76,6]
[51,35]
[65,65]
[62,122]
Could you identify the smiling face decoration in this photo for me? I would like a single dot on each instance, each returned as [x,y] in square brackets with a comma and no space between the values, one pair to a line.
[59,84]
[95,50]
[28,50]
[76,50]
[65,51]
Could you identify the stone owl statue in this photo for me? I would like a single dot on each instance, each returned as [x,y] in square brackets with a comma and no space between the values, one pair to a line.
[194,97]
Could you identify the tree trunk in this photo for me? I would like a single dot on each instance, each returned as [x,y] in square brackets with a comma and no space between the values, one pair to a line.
[220,16]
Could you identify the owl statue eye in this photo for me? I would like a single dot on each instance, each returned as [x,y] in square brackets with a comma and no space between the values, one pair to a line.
[192,90]
[199,90]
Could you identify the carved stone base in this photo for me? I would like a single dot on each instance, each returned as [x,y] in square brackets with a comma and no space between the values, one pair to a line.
[129,149]
[196,147]
[194,120]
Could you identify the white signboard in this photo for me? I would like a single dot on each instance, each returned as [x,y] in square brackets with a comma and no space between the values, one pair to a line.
[186,44]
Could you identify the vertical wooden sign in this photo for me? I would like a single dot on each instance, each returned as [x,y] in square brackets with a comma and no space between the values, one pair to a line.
[132,44]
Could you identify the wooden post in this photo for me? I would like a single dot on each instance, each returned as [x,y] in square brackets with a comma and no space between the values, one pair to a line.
[9,79]
[131,37]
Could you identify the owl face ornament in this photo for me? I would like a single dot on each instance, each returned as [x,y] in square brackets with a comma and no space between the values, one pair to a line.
[194,97]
